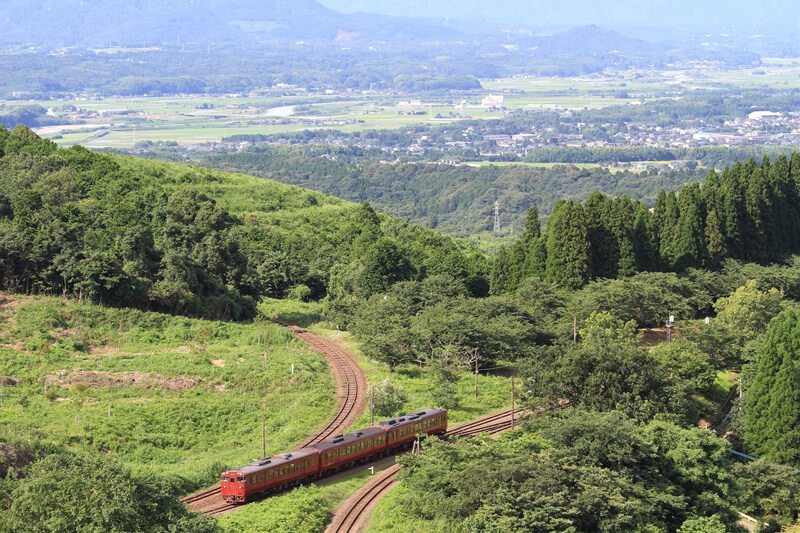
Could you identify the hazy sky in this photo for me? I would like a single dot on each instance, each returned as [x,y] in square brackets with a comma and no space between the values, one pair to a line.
[694,14]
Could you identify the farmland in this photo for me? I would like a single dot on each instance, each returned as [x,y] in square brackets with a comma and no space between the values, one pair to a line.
[122,122]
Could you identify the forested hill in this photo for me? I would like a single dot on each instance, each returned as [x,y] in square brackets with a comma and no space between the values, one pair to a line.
[133,232]
[455,199]
[93,23]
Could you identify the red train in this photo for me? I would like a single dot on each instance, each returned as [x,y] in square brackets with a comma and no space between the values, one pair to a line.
[318,460]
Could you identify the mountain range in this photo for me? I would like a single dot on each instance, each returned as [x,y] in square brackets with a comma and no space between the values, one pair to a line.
[244,23]
[623,15]
[137,22]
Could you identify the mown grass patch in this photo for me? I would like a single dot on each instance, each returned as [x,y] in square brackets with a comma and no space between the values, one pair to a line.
[163,394]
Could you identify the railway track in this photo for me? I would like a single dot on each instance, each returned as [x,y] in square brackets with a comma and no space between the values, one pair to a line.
[353,514]
[351,387]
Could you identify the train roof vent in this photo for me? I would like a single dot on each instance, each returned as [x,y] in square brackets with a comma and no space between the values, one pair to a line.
[261,462]
[288,455]
[421,413]
[340,439]
[358,434]
[391,422]
[401,419]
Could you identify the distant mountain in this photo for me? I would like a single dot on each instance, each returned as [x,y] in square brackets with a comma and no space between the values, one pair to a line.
[778,15]
[136,22]
[592,39]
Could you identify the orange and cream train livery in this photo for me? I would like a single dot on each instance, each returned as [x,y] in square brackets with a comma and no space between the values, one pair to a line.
[286,470]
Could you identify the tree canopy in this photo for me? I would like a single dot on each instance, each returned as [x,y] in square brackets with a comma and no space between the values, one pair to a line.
[64,492]
[772,394]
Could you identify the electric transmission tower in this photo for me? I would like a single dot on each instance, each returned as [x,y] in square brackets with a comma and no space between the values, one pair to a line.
[497,217]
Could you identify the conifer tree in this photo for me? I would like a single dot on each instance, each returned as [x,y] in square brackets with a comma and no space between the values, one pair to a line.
[733,212]
[772,396]
[644,240]
[784,236]
[568,248]
[715,238]
[714,223]
[690,243]
[501,279]
[533,228]
[604,248]
[757,207]
[668,246]
[535,260]
[794,170]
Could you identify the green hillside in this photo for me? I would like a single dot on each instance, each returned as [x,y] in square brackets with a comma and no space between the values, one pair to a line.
[180,239]
[164,395]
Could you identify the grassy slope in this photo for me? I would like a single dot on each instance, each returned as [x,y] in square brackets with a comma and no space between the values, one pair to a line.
[284,205]
[190,432]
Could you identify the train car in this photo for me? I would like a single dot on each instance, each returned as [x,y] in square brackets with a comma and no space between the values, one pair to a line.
[403,430]
[267,475]
[343,450]
[289,469]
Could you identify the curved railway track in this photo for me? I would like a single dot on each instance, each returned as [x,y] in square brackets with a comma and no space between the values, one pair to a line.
[351,387]
[353,514]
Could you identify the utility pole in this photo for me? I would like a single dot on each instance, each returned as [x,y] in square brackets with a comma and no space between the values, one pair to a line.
[264,433]
[264,414]
[512,401]
[575,329]
[476,375]
[372,405]
[670,325]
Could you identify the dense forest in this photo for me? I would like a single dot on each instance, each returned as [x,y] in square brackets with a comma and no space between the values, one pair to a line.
[748,212]
[126,232]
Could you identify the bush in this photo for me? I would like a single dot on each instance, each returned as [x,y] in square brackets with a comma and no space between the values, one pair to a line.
[388,398]
[64,492]
[301,293]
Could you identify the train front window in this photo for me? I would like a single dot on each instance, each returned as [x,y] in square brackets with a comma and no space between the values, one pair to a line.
[241,479]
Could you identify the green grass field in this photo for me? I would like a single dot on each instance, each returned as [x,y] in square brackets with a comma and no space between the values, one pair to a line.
[162,394]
